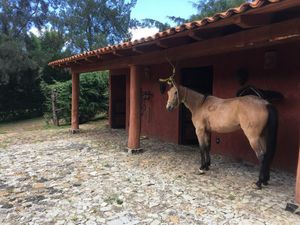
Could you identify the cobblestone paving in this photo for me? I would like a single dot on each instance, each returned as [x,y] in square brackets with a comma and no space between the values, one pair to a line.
[52,177]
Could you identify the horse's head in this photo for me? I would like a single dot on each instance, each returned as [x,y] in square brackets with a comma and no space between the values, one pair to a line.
[173,98]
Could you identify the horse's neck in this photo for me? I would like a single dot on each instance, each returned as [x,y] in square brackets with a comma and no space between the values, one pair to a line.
[191,99]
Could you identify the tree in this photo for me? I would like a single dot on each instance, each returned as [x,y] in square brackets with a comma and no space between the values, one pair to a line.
[17,17]
[91,24]
[19,80]
[53,46]
[208,8]
[154,23]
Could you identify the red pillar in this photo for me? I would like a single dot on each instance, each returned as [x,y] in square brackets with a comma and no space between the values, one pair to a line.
[134,110]
[298,180]
[110,100]
[75,99]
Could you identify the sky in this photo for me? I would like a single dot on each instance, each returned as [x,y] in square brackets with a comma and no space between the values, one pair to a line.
[159,10]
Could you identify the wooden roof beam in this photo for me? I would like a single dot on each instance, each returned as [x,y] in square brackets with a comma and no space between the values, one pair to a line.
[135,49]
[247,39]
[116,53]
[161,44]
[249,21]
[76,62]
[88,60]
[194,36]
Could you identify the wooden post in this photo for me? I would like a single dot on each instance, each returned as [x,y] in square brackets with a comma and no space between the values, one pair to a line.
[298,180]
[110,100]
[75,99]
[54,109]
[134,114]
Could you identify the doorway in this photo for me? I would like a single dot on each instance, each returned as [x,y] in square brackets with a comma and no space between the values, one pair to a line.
[118,101]
[199,79]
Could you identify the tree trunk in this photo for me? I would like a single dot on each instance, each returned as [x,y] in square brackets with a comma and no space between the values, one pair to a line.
[54,109]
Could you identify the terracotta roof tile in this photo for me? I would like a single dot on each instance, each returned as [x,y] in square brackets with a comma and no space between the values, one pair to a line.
[169,32]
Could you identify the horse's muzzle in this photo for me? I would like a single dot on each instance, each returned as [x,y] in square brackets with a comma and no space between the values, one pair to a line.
[170,108]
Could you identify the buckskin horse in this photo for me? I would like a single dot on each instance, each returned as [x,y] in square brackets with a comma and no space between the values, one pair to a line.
[256,117]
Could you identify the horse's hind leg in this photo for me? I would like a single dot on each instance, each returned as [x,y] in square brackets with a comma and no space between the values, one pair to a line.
[204,144]
[265,146]
[207,152]
[259,146]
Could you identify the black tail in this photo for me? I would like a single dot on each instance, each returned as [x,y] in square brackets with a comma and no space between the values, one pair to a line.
[270,133]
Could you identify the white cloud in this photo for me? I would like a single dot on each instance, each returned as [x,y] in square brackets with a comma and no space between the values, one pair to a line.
[35,31]
[139,33]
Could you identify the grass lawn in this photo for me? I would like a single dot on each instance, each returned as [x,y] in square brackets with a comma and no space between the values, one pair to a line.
[36,124]
[22,125]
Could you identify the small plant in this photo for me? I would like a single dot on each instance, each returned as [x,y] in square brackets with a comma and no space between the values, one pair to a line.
[231,197]
[113,198]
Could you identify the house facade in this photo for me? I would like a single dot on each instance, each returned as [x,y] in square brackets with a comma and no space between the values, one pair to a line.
[260,39]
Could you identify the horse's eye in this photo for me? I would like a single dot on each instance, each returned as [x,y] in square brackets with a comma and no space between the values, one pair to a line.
[176,93]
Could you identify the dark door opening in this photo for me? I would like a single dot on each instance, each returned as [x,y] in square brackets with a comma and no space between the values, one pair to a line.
[118,101]
[199,79]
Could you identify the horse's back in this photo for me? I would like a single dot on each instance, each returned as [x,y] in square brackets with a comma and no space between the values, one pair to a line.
[227,115]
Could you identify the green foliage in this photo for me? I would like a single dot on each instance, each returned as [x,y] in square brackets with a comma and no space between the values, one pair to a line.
[52,45]
[23,65]
[92,24]
[208,8]
[205,8]
[92,100]
[19,81]
[154,23]
[75,26]
[18,16]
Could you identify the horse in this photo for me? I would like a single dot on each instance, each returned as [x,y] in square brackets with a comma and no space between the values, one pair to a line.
[255,116]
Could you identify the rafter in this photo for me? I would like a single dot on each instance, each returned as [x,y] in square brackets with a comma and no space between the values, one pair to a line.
[134,49]
[193,35]
[117,53]
[160,44]
[249,21]
[253,38]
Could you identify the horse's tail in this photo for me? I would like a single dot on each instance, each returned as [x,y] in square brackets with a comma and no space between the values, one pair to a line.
[271,132]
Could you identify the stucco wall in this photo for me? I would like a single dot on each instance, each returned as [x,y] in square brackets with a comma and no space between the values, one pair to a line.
[158,123]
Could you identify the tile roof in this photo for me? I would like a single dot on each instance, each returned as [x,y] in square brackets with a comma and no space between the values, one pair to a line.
[172,31]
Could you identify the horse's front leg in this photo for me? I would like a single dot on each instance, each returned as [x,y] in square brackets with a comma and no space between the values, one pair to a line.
[204,144]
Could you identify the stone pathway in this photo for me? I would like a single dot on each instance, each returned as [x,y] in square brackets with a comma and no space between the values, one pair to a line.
[52,177]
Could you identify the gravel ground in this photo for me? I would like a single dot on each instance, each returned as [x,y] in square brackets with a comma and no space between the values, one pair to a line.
[52,177]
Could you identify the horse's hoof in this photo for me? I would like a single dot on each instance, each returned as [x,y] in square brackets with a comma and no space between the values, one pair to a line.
[201,172]
[266,183]
[257,185]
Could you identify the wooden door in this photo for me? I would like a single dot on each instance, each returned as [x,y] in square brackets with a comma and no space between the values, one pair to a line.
[118,98]
[201,80]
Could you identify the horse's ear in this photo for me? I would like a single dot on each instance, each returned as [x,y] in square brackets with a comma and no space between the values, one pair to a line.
[162,87]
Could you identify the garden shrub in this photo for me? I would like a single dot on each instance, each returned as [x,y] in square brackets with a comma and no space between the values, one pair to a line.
[93,98]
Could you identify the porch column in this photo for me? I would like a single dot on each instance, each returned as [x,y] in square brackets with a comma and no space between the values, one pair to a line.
[134,108]
[298,180]
[75,99]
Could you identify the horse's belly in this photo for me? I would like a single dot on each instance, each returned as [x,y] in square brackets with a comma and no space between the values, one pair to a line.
[224,128]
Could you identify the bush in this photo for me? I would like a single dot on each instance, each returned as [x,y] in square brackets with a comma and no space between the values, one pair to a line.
[93,98]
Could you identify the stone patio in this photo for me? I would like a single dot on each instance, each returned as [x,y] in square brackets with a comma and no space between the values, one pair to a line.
[52,177]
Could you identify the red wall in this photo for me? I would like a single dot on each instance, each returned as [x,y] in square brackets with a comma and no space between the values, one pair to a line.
[158,123]
[284,78]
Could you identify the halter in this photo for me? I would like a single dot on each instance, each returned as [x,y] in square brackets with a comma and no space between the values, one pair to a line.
[170,80]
